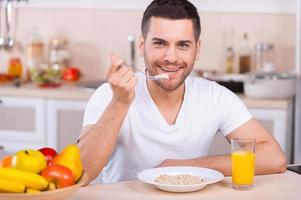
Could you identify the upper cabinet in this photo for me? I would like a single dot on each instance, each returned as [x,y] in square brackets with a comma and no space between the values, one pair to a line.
[250,6]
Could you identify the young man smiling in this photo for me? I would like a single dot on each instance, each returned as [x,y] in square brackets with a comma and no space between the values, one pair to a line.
[133,123]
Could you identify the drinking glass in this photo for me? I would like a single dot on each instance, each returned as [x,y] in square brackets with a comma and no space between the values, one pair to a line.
[243,163]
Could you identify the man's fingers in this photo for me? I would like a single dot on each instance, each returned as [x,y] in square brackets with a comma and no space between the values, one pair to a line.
[123,70]
[126,77]
[132,82]
[121,77]
[116,62]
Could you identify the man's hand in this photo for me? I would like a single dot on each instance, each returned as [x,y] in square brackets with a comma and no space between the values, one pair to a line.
[122,81]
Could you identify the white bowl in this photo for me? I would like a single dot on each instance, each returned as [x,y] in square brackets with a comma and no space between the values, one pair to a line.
[209,175]
[270,88]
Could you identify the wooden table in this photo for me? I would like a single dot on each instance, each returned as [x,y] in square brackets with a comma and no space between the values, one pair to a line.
[285,186]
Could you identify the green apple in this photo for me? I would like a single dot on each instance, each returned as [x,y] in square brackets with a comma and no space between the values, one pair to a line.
[29,160]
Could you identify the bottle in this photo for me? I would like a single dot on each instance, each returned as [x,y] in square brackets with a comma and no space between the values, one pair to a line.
[15,67]
[229,60]
[245,55]
[59,55]
[35,53]
[229,57]
[264,57]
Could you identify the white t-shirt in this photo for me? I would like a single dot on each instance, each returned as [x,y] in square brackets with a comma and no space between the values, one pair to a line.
[146,139]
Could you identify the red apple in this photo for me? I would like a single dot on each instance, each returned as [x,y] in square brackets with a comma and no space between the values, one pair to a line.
[49,153]
[60,175]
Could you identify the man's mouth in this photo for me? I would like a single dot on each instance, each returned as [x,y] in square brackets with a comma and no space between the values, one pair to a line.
[169,70]
[172,70]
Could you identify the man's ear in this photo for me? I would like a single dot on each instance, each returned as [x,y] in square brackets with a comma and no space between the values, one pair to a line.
[141,45]
[198,49]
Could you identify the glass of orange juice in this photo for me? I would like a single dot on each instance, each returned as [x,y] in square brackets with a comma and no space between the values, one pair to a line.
[243,163]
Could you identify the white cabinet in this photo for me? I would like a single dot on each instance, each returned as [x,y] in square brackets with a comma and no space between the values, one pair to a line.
[22,123]
[277,121]
[64,121]
[38,122]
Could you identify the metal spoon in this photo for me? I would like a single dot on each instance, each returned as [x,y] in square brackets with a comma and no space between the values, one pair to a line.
[156,77]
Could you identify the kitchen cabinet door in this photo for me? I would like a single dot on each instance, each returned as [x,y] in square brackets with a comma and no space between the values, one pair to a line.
[64,121]
[277,121]
[22,123]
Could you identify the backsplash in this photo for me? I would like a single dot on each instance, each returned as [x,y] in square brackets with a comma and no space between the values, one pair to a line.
[94,33]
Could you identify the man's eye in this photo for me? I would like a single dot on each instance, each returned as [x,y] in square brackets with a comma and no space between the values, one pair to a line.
[184,45]
[159,44]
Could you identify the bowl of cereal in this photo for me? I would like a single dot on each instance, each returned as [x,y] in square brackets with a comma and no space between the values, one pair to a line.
[180,179]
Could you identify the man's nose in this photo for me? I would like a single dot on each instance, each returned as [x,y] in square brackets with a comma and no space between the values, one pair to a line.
[171,54]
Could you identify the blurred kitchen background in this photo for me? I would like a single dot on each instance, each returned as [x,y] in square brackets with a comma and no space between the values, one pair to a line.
[251,46]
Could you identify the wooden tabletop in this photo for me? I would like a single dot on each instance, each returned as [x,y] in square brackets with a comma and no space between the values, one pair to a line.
[277,186]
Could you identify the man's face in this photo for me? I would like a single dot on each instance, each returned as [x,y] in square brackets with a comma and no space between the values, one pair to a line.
[170,47]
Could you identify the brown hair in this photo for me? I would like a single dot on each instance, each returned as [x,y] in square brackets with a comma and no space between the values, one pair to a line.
[171,9]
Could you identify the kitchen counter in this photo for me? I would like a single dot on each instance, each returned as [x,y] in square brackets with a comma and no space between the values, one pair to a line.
[66,92]
[267,187]
[74,92]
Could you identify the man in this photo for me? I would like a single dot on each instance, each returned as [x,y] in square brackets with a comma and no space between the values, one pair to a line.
[133,123]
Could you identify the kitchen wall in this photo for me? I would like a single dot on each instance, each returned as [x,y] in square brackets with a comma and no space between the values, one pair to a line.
[94,33]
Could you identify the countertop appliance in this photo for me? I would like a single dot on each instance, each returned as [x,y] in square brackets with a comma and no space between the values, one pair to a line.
[295,168]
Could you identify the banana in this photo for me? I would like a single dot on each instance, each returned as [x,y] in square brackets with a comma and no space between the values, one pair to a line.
[29,179]
[32,191]
[11,186]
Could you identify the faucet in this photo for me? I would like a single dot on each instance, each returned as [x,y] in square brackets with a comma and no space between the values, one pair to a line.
[131,40]
[7,41]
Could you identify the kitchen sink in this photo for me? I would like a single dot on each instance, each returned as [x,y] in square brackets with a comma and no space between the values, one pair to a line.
[93,84]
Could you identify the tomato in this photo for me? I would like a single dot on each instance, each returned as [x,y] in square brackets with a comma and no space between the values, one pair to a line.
[71,74]
[60,175]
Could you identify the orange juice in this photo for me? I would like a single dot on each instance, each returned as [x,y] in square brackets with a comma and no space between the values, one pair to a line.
[243,164]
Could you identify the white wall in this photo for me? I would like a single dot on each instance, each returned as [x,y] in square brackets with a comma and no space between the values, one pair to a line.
[254,6]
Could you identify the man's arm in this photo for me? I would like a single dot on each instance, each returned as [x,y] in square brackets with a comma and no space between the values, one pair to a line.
[98,141]
[269,156]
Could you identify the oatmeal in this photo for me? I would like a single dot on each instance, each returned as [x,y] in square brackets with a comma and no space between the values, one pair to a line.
[180,179]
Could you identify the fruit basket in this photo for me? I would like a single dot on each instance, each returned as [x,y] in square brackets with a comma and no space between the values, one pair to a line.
[41,174]
[58,194]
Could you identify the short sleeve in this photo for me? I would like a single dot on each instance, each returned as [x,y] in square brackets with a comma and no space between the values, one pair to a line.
[232,111]
[97,104]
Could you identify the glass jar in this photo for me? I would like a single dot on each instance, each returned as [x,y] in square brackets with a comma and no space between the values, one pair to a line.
[34,53]
[264,56]
[15,67]
[59,55]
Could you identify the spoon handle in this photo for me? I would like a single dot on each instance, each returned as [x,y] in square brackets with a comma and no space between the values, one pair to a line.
[147,75]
